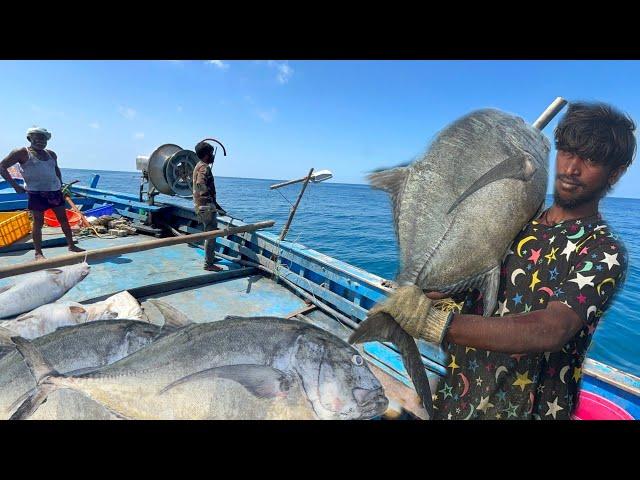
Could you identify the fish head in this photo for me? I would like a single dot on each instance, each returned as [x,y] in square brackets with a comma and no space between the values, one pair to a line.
[74,274]
[337,380]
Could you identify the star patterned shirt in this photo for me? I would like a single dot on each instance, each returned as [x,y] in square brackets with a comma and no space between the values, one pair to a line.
[580,263]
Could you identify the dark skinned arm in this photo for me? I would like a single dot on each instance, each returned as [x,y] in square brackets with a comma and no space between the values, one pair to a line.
[16,156]
[545,330]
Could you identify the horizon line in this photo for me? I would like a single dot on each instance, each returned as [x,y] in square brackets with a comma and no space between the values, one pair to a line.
[281,180]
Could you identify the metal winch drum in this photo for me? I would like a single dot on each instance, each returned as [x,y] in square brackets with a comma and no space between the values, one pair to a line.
[170,169]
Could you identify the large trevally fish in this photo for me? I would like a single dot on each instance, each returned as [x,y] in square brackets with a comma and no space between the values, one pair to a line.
[74,349]
[33,290]
[248,368]
[456,210]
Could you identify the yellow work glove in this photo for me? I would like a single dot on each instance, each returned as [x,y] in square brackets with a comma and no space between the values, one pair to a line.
[413,311]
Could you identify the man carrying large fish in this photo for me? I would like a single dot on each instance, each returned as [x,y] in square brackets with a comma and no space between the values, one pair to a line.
[521,358]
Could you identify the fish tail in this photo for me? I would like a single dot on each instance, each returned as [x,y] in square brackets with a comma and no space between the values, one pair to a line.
[5,337]
[43,373]
[33,401]
[383,328]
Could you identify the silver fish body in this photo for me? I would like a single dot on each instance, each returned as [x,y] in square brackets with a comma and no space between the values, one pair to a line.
[251,368]
[73,348]
[46,319]
[457,209]
[32,290]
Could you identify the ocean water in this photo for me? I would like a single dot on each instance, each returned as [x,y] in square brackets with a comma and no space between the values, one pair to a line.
[353,223]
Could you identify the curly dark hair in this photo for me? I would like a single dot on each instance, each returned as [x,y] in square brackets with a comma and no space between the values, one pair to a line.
[597,131]
[203,149]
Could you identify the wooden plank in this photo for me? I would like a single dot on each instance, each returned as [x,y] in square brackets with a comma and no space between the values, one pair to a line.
[121,249]
[302,311]
[612,376]
[182,283]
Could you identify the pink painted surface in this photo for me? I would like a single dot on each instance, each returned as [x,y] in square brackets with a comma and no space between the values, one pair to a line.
[594,407]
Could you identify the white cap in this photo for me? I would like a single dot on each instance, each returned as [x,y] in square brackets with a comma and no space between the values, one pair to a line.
[41,130]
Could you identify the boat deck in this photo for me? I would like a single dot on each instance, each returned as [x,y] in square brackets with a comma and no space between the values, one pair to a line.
[175,275]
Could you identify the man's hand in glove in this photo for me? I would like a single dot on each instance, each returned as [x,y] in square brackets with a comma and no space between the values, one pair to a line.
[413,311]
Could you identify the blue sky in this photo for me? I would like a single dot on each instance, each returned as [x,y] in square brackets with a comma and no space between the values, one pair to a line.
[279,118]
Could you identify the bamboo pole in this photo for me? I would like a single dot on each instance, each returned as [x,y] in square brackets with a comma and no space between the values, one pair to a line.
[71,258]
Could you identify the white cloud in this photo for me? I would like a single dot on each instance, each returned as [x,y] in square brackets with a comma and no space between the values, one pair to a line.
[95,125]
[284,71]
[127,112]
[138,135]
[218,63]
[267,116]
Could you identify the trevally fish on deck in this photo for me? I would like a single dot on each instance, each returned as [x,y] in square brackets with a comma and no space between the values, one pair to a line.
[73,349]
[33,290]
[456,210]
[249,368]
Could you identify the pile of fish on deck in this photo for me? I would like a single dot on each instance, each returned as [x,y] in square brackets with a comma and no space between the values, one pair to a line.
[107,360]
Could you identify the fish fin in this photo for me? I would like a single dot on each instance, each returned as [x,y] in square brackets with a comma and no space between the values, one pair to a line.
[76,310]
[5,338]
[54,271]
[539,212]
[41,371]
[262,381]
[38,365]
[5,288]
[391,181]
[489,289]
[519,168]
[24,316]
[382,327]
[173,318]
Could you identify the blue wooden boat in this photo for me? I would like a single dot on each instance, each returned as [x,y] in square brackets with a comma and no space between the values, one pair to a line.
[265,276]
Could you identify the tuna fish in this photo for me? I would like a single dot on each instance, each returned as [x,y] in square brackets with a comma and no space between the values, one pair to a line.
[457,209]
[33,290]
[46,319]
[250,368]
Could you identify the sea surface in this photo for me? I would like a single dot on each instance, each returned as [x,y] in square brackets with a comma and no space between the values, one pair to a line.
[353,223]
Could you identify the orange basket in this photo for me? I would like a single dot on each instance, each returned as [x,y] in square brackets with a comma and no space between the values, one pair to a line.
[13,226]
[51,219]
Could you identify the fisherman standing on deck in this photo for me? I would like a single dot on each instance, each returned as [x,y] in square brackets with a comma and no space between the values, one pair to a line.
[42,183]
[558,278]
[204,200]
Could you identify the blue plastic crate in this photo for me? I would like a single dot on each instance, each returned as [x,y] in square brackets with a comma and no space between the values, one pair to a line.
[99,211]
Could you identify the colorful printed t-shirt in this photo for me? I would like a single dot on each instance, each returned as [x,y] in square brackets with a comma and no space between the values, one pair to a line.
[580,263]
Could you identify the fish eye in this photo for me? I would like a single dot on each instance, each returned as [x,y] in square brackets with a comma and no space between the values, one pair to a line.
[357,360]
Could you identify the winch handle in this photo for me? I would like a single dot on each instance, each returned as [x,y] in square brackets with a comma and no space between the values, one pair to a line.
[224,150]
[551,111]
